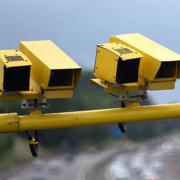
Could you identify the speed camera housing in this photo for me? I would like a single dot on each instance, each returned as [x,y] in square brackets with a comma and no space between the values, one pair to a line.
[116,63]
[54,73]
[158,67]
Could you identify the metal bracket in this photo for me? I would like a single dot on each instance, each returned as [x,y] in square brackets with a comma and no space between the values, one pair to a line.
[34,104]
[130,96]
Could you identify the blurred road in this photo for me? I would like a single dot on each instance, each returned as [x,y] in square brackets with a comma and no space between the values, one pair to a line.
[64,168]
[154,160]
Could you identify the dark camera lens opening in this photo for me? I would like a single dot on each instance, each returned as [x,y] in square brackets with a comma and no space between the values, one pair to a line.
[167,70]
[16,78]
[127,71]
[63,77]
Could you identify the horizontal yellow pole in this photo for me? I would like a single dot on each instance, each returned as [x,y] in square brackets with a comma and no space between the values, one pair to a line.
[37,121]
[9,122]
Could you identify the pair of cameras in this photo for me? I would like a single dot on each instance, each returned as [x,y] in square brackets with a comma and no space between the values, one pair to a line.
[133,59]
[40,68]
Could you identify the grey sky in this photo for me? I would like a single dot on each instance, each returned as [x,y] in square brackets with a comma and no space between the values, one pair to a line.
[78,25]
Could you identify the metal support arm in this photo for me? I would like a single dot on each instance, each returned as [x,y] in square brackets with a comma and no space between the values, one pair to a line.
[133,113]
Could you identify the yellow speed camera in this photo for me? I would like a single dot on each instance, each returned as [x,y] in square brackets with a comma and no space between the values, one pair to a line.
[54,73]
[159,65]
[117,63]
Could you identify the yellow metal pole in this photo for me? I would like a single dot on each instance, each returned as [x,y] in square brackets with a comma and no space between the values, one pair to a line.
[9,122]
[133,113]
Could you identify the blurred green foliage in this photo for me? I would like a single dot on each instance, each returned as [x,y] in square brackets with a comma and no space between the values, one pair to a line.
[6,143]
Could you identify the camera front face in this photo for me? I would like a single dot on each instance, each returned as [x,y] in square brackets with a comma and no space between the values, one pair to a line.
[127,71]
[16,78]
[62,77]
[15,74]
[167,70]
